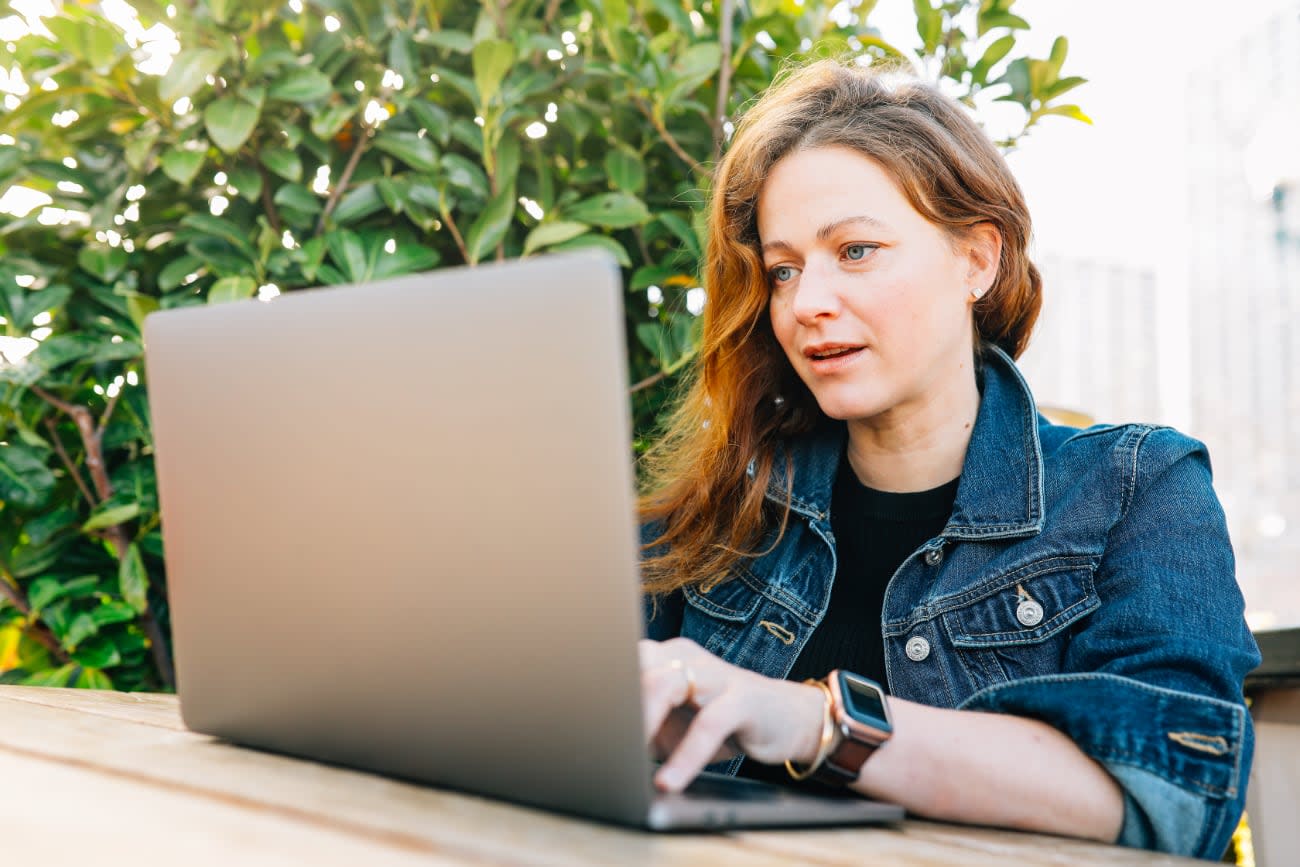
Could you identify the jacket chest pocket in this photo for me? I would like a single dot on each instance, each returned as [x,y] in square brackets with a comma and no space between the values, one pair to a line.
[717,618]
[1020,625]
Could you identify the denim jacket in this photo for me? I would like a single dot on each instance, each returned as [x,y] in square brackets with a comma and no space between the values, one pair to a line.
[1084,578]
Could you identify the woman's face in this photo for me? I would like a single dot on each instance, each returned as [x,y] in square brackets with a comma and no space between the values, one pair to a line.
[869,300]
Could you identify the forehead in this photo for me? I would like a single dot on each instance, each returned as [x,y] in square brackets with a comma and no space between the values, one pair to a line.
[812,187]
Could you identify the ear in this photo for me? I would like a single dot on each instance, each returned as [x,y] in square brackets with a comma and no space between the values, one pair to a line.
[983,248]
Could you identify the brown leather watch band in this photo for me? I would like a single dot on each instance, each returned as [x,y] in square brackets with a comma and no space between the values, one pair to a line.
[845,762]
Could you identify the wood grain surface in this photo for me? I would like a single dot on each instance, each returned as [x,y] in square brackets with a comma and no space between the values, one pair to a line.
[108,778]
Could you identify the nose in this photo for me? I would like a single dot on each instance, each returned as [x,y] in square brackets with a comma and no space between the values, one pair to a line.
[815,296]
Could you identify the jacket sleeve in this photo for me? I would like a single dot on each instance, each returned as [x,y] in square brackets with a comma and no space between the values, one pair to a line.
[1152,684]
[663,614]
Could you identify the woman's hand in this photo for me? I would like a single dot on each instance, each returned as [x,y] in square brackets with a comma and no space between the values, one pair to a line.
[699,709]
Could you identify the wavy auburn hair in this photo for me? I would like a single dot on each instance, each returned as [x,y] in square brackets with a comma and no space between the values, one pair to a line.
[743,398]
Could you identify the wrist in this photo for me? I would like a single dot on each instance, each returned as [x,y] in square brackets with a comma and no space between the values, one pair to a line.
[812,716]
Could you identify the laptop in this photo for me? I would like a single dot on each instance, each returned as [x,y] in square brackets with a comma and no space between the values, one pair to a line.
[401,536]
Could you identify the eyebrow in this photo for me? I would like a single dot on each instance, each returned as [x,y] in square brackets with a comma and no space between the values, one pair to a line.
[829,229]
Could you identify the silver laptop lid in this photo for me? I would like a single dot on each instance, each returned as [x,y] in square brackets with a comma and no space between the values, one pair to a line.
[400,532]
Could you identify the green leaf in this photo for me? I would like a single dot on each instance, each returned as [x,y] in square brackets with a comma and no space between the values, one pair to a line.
[285,162]
[698,63]
[232,289]
[1072,111]
[491,59]
[349,254]
[181,165]
[456,41]
[301,84]
[464,173]
[111,517]
[230,121]
[113,612]
[133,581]
[247,181]
[98,652]
[25,481]
[140,306]
[929,24]
[46,527]
[137,150]
[415,150]
[1000,18]
[992,56]
[490,227]
[327,122]
[407,258]
[188,72]
[556,232]
[612,210]
[357,203]
[683,231]
[625,169]
[104,262]
[400,57]
[175,271]
[600,242]
[93,678]
[43,591]
[1060,48]
[83,626]
[1058,88]
[296,197]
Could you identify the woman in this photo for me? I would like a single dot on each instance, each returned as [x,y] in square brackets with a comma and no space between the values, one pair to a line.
[858,479]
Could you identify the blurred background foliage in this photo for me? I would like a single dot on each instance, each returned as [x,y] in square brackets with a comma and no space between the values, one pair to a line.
[218,150]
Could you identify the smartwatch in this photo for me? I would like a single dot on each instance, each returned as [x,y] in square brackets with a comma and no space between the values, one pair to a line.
[862,724]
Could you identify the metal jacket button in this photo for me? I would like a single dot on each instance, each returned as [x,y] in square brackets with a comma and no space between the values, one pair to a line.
[917,648]
[934,556]
[1029,613]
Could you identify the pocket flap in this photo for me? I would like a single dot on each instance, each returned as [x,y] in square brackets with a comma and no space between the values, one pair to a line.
[1025,610]
[730,599]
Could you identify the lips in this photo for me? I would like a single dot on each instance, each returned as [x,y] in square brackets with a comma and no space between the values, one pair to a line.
[826,359]
[826,351]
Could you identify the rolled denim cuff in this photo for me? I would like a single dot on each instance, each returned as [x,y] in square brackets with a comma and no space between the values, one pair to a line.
[1180,757]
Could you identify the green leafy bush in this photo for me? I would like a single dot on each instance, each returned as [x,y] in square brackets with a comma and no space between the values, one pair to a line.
[310,142]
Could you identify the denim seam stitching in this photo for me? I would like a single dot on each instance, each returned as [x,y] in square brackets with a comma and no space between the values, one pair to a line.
[1236,711]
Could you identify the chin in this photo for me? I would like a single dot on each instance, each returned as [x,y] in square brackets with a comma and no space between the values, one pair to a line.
[850,407]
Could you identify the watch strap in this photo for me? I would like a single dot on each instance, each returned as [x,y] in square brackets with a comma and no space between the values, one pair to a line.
[845,761]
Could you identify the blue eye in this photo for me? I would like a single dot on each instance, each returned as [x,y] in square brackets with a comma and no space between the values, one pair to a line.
[781,273]
[857,252]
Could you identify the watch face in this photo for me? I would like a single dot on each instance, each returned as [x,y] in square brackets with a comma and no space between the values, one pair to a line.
[865,701]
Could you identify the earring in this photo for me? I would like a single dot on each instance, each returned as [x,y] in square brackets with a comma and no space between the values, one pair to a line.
[977,293]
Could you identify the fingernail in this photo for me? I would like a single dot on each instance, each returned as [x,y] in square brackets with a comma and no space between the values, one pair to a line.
[669,781]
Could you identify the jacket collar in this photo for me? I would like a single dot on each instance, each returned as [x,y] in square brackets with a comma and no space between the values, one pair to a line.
[1001,490]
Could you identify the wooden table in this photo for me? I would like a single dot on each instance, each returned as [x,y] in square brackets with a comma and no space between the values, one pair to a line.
[1273,799]
[106,778]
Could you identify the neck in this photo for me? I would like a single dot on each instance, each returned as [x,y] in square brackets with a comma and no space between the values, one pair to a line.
[917,445]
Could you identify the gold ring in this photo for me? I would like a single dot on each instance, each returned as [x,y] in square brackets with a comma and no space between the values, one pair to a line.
[686,671]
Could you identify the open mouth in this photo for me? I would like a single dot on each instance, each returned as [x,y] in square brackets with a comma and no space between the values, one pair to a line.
[834,353]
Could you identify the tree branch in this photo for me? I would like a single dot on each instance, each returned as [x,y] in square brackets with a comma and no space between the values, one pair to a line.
[341,187]
[67,462]
[10,590]
[724,78]
[664,134]
[455,233]
[108,414]
[647,382]
[92,441]
[268,203]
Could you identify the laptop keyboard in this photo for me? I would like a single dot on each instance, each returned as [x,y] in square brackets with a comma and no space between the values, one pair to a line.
[732,789]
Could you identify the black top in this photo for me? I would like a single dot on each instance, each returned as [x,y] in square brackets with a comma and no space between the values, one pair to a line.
[874,533]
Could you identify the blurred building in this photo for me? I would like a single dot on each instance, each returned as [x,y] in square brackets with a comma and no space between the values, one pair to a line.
[1094,350]
[1243,260]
